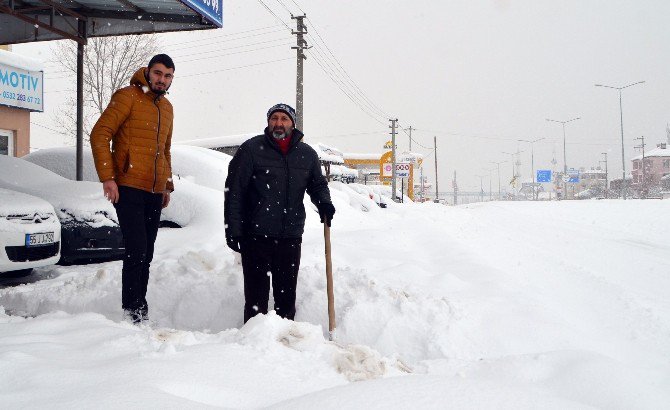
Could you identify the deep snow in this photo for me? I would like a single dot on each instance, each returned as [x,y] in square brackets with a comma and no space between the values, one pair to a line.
[493,305]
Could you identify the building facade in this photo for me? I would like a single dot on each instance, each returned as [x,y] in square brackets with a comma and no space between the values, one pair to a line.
[21,92]
[648,171]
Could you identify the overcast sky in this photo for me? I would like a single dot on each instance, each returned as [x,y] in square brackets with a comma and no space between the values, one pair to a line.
[478,75]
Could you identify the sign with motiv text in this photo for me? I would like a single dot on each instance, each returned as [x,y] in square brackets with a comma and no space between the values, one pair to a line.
[21,88]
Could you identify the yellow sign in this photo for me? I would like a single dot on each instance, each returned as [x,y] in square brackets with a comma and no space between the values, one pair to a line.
[388,145]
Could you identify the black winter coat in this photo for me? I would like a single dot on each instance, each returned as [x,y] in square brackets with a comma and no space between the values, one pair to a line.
[265,188]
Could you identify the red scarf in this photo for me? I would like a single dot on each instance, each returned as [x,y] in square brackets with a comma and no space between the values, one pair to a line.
[284,144]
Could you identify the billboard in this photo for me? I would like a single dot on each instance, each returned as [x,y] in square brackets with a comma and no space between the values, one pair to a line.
[21,88]
[211,9]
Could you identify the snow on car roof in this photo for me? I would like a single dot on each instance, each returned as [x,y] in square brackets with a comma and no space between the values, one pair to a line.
[81,200]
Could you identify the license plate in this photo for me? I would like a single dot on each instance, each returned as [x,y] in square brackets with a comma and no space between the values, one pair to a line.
[39,239]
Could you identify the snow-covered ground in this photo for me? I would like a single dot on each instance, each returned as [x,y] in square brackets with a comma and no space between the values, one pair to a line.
[512,305]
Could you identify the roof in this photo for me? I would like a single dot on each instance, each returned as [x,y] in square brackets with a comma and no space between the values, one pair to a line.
[327,153]
[21,62]
[24,21]
[656,152]
[349,155]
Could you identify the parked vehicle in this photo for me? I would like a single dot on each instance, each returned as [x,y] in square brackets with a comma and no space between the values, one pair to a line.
[30,233]
[89,227]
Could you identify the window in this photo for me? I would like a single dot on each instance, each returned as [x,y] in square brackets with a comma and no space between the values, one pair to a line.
[6,143]
[636,164]
[666,163]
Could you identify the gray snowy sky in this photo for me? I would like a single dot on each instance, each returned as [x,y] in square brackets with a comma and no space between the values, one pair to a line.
[478,75]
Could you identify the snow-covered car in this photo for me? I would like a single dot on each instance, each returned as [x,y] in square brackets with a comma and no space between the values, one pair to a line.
[30,233]
[89,227]
[202,166]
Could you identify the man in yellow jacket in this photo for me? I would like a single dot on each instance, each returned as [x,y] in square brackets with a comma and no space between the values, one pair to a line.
[136,173]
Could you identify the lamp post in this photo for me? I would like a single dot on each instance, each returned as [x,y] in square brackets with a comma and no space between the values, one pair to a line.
[513,154]
[498,164]
[490,171]
[606,182]
[532,162]
[481,187]
[623,156]
[565,164]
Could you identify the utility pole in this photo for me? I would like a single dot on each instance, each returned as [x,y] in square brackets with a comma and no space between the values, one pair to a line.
[606,177]
[498,165]
[644,179]
[481,187]
[393,132]
[532,163]
[455,186]
[301,45]
[437,196]
[410,138]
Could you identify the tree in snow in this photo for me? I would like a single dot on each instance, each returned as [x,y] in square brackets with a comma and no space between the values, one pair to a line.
[109,63]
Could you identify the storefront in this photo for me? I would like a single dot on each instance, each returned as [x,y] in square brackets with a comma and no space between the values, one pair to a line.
[21,92]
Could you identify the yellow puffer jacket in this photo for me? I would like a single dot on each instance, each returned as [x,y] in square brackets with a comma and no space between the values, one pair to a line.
[139,125]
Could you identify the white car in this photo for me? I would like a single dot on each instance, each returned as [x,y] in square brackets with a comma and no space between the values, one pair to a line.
[89,228]
[29,233]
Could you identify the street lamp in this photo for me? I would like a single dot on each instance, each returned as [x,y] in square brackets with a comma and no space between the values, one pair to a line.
[565,164]
[606,178]
[490,171]
[623,157]
[498,164]
[513,154]
[532,161]
[481,187]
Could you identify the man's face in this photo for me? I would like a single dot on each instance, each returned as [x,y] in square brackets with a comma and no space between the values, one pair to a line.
[280,124]
[160,77]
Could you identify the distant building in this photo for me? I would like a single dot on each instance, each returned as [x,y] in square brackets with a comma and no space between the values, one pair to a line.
[21,92]
[647,174]
[331,158]
[592,182]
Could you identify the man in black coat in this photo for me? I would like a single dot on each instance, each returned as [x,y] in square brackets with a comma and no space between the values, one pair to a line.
[264,211]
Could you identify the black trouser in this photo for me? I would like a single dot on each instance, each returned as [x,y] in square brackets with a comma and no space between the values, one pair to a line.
[264,257]
[139,213]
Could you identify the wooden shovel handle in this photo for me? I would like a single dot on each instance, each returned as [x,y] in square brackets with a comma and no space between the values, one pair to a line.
[329,281]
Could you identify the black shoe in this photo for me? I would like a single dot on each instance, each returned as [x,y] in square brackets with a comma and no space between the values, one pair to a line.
[136,316]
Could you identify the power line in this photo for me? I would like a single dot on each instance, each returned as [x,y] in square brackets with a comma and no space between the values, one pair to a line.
[275,15]
[235,68]
[229,34]
[50,129]
[336,79]
[346,74]
[233,48]
[347,93]
[281,3]
[225,41]
[296,4]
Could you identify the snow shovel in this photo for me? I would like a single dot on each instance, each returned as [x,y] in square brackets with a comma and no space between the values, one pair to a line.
[329,283]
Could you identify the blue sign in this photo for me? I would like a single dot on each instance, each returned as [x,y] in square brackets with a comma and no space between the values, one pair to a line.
[574,176]
[211,9]
[543,175]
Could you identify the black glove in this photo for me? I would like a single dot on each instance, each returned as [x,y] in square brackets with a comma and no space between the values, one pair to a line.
[234,243]
[326,211]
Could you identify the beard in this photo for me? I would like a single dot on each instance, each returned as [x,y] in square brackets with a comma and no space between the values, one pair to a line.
[158,91]
[281,132]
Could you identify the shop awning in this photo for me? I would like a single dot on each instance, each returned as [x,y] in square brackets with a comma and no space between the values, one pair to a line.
[23,21]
